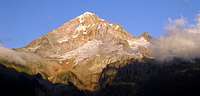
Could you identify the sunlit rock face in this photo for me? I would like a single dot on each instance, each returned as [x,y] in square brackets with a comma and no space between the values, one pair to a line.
[79,50]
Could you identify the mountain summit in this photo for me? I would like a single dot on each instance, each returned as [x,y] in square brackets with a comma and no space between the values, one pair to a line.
[78,51]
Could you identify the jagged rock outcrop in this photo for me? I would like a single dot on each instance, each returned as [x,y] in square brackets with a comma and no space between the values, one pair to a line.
[78,51]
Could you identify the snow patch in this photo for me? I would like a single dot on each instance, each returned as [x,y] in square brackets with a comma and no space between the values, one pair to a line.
[135,43]
[64,39]
[75,35]
[81,27]
[111,24]
[87,50]
[99,27]
[92,25]
[82,17]
[102,19]
[117,27]
[105,24]
[84,32]
[34,48]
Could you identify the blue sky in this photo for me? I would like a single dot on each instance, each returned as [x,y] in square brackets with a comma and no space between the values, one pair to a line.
[22,21]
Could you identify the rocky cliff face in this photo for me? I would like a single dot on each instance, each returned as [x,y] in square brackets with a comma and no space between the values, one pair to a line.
[78,51]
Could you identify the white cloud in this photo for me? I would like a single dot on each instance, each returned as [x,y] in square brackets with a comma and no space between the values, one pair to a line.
[21,58]
[181,41]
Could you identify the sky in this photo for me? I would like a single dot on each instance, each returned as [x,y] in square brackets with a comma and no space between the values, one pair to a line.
[22,21]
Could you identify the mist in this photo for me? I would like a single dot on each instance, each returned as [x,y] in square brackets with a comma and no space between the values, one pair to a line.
[182,40]
[20,58]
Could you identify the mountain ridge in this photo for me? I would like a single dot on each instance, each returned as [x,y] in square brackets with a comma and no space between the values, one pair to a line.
[78,51]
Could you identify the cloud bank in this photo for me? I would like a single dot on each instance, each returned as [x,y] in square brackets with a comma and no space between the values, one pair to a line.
[20,58]
[182,40]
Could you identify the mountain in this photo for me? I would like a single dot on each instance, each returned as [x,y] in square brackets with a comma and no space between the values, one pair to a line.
[78,51]
[89,56]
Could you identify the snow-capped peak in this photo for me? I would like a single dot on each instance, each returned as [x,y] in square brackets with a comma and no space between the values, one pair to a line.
[87,13]
[84,15]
